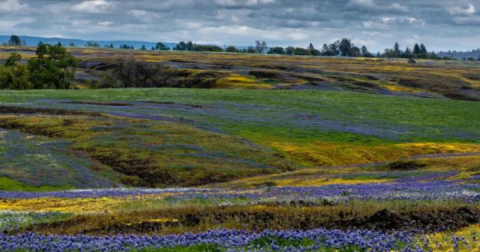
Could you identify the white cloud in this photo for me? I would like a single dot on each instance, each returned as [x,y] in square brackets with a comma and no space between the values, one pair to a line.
[94,6]
[415,39]
[461,10]
[370,5]
[473,20]
[145,16]
[13,6]
[403,20]
[240,3]
[105,23]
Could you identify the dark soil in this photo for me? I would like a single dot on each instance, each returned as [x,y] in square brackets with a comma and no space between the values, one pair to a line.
[383,220]
[44,111]
[406,165]
[265,74]
[428,221]
[113,104]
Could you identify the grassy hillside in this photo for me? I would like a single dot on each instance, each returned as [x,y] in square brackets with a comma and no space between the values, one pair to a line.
[451,79]
[185,137]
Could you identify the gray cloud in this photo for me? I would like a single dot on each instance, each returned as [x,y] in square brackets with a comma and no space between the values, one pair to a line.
[441,24]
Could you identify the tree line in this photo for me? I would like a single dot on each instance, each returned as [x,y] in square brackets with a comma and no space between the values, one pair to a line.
[52,68]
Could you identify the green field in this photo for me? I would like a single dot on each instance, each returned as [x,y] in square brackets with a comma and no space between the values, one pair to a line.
[282,130]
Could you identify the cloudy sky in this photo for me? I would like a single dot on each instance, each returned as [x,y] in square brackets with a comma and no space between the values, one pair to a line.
[440,24]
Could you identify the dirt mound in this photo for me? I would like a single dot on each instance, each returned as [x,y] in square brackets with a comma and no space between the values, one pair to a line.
[265,74]
[406,165]
[427,221]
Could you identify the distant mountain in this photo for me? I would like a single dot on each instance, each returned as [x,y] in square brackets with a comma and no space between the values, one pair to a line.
[33,41]
[460,55]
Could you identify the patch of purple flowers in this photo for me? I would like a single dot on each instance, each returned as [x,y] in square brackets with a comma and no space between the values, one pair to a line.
[418,191]
[230,240]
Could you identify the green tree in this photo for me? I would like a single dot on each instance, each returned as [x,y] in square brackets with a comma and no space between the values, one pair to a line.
[356,52]
[162,47]
[313,51]
[396,50]
[408,53]
[276,50]
[231,49]
[302,51]
[19,78]
[190,46]
[346,47]
[143,48]
[260,46]
[182,46]
[423,49]
[290,50]
[16,77]
[15,41]
[332,49]
[92,44]
[53,67]
[365,52]
[250,49]
[416,50]
[13,60]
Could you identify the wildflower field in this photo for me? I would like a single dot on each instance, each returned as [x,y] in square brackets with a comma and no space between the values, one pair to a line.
[235,168]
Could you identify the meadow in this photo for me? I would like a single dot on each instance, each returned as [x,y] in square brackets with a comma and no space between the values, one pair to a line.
[278,154]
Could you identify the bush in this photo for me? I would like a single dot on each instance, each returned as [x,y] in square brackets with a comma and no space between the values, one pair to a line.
[130,74]
[14,76]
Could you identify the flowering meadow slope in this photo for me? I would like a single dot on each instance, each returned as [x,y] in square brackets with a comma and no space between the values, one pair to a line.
[238,170]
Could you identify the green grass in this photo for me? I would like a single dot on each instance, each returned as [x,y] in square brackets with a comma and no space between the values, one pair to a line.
[425,117]
[324,128]
[7,184]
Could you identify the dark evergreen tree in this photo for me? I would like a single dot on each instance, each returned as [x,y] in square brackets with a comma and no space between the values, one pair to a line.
[423,49]
[408,53]
[396,50]
[365,52]
[15,41]
[346,47]
[416,50]
[190,46]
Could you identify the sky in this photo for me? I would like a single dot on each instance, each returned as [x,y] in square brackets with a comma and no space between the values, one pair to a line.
[377,24]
